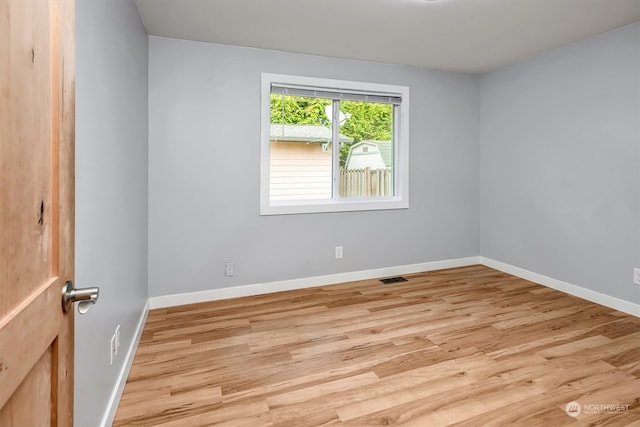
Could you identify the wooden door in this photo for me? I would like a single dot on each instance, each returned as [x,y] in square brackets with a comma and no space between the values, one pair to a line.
[36,211]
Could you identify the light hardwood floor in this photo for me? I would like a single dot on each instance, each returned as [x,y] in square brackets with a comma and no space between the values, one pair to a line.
[467,346]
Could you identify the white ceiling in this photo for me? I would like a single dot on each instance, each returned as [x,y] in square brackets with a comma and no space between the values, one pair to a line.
[458,35]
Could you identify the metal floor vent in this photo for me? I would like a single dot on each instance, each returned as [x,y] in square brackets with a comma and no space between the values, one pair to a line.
[391,280]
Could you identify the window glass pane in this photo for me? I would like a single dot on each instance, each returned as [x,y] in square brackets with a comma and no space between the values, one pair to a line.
[301,163]
[366,163]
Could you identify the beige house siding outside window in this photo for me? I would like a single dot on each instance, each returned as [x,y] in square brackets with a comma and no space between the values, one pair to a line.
[301,162]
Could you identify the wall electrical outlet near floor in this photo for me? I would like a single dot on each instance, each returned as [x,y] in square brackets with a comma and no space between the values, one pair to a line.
[117,339]
[112,349]
[636,276]
[228,269]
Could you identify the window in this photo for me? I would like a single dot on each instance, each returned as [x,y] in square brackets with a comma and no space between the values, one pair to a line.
[332,145]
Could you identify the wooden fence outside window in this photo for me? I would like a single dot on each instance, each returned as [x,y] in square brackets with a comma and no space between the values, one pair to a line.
[365,182]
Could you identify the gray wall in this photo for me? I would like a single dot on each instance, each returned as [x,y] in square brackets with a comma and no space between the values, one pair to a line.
[559,163]
[204,173]
[111,191]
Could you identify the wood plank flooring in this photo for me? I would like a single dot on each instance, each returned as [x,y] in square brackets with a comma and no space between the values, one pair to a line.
[467,347]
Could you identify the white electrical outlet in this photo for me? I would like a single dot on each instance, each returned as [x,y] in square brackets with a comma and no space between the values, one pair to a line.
[636,276]
[339,252]
[228,269]
[112,349]
[117,339]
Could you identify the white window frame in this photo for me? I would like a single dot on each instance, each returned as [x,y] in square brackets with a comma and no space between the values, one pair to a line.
[400,198]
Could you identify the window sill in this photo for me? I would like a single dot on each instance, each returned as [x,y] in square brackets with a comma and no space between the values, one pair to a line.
[323,206]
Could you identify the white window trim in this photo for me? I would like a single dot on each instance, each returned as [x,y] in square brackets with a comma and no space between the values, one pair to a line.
[400,200]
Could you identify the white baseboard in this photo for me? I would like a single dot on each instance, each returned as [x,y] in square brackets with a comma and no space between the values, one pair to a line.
[287,285]
[116,394]
[577,291]
[308,282]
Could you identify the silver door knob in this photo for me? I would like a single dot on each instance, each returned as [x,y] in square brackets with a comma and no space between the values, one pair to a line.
[86,297]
